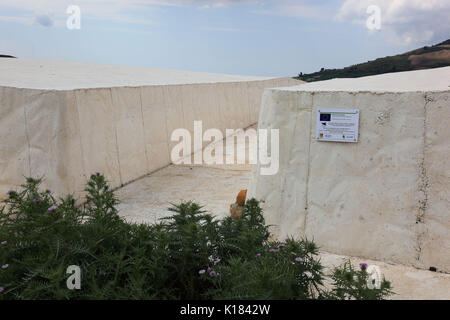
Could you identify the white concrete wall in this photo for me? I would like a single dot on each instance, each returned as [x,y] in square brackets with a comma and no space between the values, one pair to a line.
[386,197]
[124,132]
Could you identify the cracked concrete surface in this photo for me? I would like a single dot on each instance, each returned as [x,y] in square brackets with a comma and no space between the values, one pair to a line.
[147,199]
[66,120]
[385,197]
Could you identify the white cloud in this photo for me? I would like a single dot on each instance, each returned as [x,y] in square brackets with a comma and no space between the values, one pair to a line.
[23,20]
[297,10]
[53,13]
[225,29]
[43,19]
[404,21]
[204,4]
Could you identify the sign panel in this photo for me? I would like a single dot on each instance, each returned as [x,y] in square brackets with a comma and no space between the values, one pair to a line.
[338,125]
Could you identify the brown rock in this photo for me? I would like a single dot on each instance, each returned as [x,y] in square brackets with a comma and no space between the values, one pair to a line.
[240,199]
[236,210]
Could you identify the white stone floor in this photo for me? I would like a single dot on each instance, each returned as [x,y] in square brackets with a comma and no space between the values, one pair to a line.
[147,199]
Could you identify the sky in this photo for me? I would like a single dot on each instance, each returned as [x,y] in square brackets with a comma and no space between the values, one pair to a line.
[247,37]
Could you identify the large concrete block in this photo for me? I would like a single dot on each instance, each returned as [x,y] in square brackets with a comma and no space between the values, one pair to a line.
[207,105]
[54,139]
[14,146]
[288,82]
[98,133]
[435,182]
[241,105]
[229,109]
[385,197]
[296,169]
[190,106]
[154,104]
[255,92]
[129,127]
[175,117]
[281,111]
[65,126]
[362,196]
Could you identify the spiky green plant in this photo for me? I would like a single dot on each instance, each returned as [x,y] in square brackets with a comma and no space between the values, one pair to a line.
[188,255]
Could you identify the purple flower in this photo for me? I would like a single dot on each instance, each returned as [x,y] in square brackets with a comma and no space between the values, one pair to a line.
[9,192]
[209,269]
[273,250]
[258,255]
[281,245]
[213,273]
[2,289]
[216,261]
[37,200]
[202,271]
[98,173]
[48,191]
[5,266]
[293,253]
[298,259]
[4,242]
[363,265]
[52,208]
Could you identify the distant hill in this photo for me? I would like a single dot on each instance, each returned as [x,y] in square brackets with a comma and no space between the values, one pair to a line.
[5,56]
[424,58]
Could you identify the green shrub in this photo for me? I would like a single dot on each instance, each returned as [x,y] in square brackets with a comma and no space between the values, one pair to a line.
[352,284]
[188,255]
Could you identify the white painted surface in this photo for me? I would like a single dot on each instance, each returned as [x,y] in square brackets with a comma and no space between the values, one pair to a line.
[410,81]
[64,75]
[386,197]
[65,121]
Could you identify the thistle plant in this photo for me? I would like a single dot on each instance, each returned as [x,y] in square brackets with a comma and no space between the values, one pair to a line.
[190,254]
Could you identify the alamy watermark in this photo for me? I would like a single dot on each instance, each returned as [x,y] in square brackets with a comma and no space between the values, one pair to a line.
[74,280]
[375,277]
[73,22]
[259,150]
[373,22]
